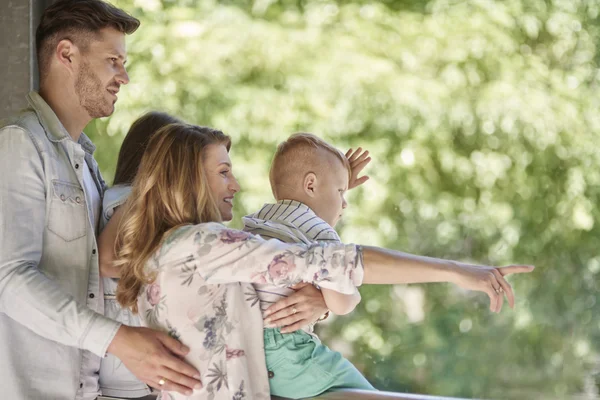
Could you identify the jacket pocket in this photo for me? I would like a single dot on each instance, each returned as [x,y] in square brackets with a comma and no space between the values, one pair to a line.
[68,216]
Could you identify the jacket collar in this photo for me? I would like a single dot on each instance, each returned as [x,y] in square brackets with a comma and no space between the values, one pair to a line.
[55,131]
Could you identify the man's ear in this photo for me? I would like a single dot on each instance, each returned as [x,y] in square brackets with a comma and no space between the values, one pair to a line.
[310,184]
[66,53]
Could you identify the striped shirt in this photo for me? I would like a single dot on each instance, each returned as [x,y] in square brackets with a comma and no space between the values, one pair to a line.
[292,222]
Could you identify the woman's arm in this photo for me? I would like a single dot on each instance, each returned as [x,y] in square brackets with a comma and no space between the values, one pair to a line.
[106,246]
[219,255]
[382,266]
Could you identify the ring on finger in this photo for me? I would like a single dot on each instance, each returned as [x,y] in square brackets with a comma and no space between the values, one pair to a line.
[294,311]
[498,290]
[162,381]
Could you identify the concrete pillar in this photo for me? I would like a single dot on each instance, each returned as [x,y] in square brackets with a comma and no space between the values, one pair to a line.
[18,64]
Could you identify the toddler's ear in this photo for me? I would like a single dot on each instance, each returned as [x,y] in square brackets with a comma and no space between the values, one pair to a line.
[310,184]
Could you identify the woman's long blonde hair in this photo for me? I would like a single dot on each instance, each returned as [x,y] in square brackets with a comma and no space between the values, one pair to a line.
[169,191]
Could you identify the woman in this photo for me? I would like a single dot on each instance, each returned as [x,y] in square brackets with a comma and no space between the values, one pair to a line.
[115,378]
[191,276]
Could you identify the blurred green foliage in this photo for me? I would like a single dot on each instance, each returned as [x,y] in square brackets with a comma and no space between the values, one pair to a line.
[483,119]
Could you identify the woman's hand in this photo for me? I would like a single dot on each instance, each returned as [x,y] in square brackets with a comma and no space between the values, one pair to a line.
[300,309]
[490,280]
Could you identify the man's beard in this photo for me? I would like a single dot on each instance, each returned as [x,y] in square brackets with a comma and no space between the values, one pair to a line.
[91,93]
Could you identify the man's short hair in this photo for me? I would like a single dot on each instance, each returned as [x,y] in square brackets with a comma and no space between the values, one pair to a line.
[299,151]
[79,21]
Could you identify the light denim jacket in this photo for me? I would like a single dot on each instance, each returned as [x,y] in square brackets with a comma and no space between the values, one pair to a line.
[51,322]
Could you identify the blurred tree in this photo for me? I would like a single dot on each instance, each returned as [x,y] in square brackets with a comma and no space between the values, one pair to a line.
[483,120]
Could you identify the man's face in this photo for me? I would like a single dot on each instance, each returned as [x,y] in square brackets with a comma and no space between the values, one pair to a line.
[101,73]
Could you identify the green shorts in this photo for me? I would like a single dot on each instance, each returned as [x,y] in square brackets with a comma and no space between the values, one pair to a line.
[301,366]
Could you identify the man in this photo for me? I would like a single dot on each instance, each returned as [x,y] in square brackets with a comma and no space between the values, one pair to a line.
[52,331]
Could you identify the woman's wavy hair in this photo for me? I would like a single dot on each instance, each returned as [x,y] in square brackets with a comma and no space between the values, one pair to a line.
[170,190]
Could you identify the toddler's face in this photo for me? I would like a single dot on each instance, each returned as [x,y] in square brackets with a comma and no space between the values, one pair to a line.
[329,202]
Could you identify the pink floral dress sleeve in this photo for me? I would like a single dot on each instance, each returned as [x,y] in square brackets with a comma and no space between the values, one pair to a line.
[215,254]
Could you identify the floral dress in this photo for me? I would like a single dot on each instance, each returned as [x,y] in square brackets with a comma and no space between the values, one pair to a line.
[203,296]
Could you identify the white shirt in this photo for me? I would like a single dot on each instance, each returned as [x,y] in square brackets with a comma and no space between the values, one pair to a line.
[92,197]
[90,366]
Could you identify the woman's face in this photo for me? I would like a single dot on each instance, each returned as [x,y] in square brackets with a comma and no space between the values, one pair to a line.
[221,181]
